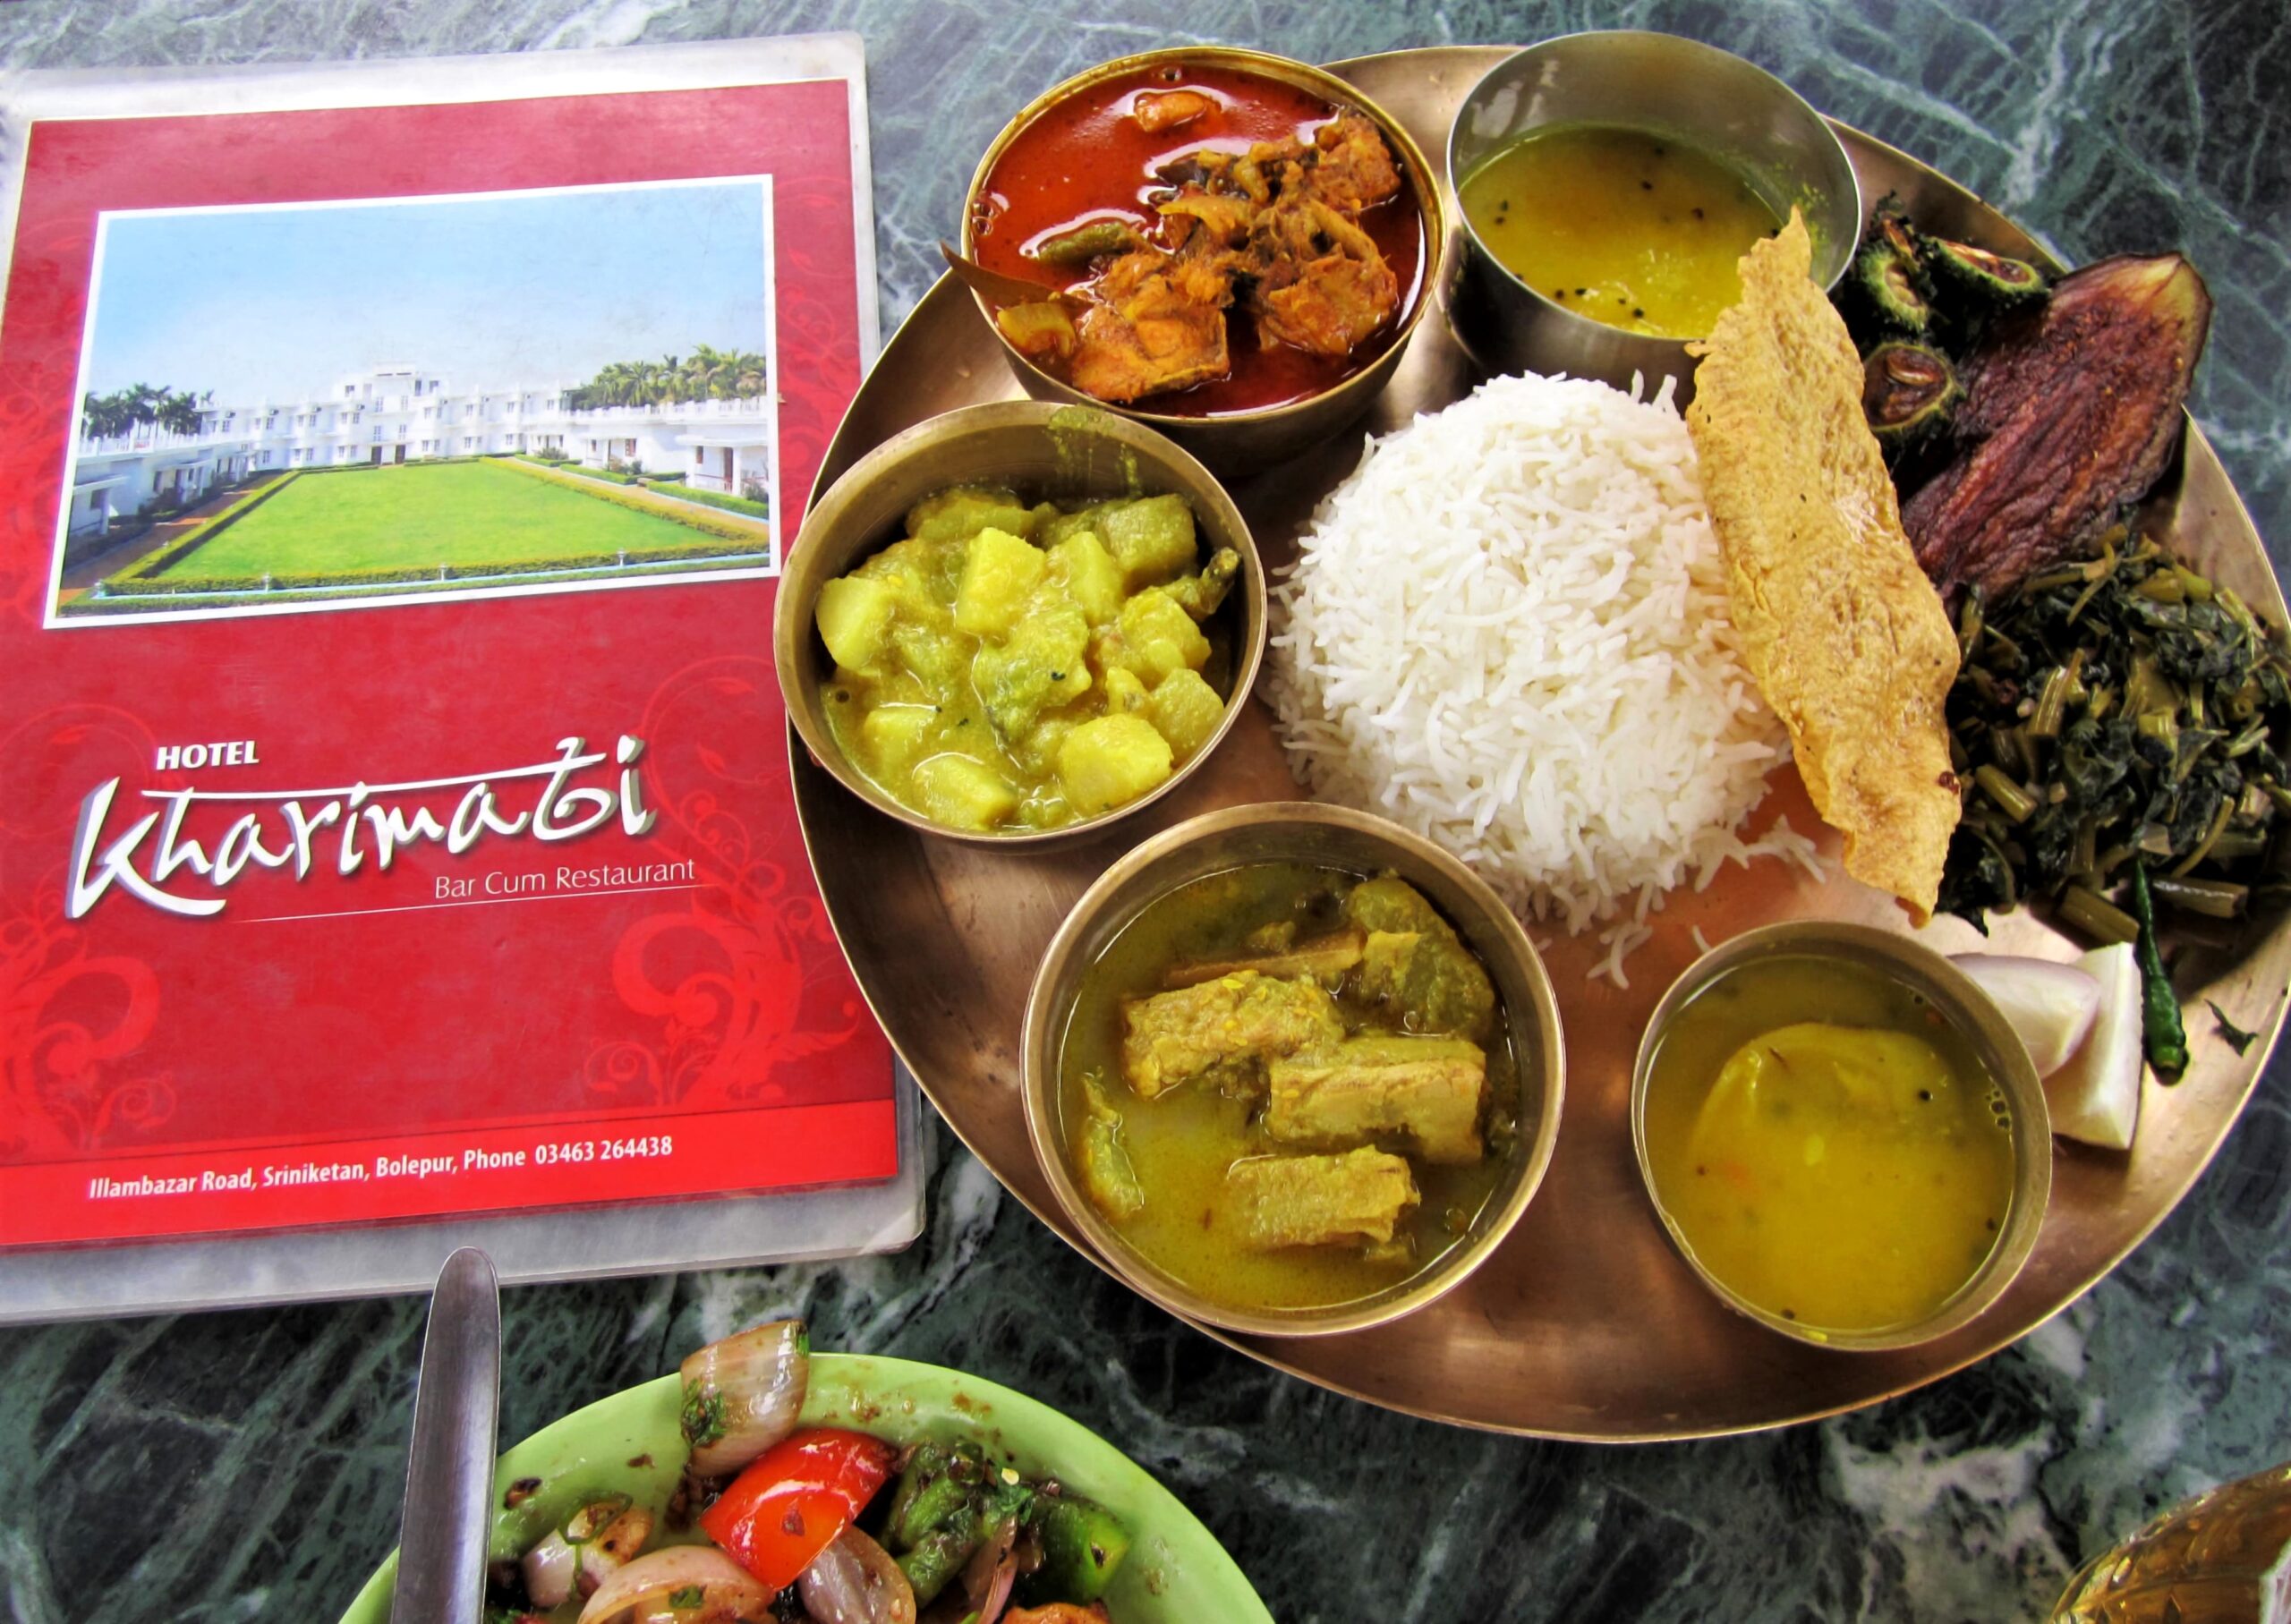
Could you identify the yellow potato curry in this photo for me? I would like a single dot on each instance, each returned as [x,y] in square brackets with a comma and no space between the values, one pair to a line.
[1014,667]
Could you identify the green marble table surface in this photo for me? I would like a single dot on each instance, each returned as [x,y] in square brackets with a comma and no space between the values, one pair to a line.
[249,1465]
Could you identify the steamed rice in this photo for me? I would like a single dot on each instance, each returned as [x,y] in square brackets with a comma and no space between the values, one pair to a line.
[1508,631]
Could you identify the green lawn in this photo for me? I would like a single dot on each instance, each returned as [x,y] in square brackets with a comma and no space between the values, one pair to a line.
[465,515]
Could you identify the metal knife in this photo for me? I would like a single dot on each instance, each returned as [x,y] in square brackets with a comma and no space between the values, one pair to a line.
[449,1468]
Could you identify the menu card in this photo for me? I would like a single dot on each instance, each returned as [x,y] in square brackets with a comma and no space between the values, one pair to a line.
[395,820]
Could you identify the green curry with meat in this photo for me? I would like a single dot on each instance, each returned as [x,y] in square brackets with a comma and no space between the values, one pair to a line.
[1289,1085]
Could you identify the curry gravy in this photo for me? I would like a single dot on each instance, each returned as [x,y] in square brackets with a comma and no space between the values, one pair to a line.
[1633,229]
[1829,1146]
[1181,1144]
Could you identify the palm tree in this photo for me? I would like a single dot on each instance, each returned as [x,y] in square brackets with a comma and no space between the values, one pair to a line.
[708,373]
[177,414]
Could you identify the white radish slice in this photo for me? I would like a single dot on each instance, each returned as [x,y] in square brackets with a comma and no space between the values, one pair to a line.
[2095,1096]
[2050,1005]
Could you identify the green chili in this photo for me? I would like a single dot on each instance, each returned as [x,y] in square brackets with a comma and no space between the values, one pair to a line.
[2160,1006]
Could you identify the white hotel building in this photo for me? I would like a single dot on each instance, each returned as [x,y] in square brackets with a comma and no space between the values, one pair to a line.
[403,414]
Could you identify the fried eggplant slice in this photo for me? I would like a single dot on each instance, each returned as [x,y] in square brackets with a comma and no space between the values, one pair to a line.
[2070,414]
[1841,630]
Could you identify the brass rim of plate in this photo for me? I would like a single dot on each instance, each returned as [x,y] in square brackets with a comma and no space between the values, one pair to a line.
[846,525]
[2106,1205]
[1423,186]
[1965,1007]
[1530,1011]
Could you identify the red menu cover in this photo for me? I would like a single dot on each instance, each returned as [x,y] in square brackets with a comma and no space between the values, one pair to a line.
[393,813]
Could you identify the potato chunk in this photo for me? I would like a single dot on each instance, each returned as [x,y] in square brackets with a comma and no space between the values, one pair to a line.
[958,507]
[998,573]
[1152,540]
[1185,710]
[1110,761]
[1159,637]
[1125,694]
[967,794]
[854,616]
[1091,577]
[894,735]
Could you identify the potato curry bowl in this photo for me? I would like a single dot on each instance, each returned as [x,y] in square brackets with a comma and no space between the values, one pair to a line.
[1233,247]
[1292,1069]
[1018,622]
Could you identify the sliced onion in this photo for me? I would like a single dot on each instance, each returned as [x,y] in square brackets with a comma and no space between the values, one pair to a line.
[742,1395]
[640,1592]
[548,1568]
[854,1581]
[2095,1096]
[998,1591]
[554,1566]
[2050,1005]
[614,1548]
[992,1570]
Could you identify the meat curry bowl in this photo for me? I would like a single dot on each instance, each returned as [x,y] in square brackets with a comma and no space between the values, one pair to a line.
[1292,1069]
[1233,247]
[1017,622]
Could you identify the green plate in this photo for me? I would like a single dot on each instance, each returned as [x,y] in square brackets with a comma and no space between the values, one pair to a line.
[1176,1573]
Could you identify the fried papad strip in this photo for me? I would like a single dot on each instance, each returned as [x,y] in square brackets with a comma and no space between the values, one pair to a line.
[1842,630]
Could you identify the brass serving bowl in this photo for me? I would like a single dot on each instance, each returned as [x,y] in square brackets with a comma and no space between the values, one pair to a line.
[1296,831]
[1955,997]
[1240,442]
[1704,97]
[1046,450]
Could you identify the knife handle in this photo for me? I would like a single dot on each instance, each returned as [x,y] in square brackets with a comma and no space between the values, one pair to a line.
[443,1531]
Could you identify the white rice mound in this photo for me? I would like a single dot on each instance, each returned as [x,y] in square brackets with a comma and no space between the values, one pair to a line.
[1508,631]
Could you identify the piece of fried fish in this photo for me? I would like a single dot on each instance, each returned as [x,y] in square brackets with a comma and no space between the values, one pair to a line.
[1842,633]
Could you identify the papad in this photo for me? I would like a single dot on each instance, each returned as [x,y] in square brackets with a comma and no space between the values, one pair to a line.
[1842,633]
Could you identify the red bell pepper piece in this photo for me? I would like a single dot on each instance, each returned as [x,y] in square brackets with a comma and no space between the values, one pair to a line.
[792,1501]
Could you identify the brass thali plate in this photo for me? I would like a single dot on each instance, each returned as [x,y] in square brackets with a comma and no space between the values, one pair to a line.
[1585,1324]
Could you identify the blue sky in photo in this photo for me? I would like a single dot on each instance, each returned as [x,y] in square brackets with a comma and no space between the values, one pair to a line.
[280,304]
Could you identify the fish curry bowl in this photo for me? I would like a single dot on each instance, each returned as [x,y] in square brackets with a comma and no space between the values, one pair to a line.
[1233,247]
[1018,622]
[1292,1069]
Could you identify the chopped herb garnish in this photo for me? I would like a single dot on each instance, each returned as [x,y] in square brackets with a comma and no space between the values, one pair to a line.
[2237,1038]
[703,1416]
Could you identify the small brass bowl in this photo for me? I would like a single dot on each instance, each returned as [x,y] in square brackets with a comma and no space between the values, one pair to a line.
[1334,836]
[1955,997]
[1046,450]
[1239,442]
[1703,97]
